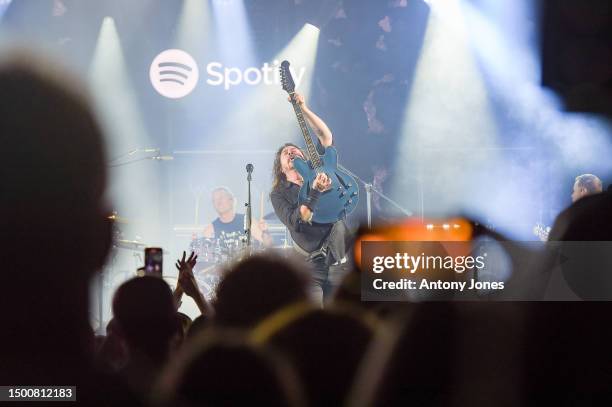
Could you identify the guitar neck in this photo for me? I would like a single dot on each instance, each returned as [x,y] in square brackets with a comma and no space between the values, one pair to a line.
[312,150]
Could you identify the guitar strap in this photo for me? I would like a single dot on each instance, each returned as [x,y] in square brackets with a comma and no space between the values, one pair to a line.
[333,244]
[314,255]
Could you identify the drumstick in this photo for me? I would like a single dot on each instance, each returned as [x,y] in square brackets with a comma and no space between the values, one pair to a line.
[261,206]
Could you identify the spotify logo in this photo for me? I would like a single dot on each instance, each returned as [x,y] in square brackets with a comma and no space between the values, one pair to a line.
[174,73]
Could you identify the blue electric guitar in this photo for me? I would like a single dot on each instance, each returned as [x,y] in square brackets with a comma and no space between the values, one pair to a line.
[341,199]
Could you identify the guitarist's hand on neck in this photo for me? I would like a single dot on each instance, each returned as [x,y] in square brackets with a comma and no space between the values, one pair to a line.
[299,98]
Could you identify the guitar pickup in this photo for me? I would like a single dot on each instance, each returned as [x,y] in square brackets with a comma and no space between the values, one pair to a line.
[342,181]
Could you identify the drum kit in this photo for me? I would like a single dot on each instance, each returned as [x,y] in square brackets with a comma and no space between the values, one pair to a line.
[216,254]
[228,246]
[214,257]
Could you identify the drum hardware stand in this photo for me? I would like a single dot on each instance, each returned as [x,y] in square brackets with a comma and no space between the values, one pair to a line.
[107,273]
[101,329]
[197,193]
[102,276]
[369,188]
[248,218]
[138,262]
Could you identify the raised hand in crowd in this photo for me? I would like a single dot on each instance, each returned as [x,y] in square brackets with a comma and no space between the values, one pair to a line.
[187,283]
[185,278]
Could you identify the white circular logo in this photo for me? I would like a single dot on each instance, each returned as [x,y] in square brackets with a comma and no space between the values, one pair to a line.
[174,73]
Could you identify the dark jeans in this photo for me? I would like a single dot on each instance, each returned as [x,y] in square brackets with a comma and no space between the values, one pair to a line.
[326,278]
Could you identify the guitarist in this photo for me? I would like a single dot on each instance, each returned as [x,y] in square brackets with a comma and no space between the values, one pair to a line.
[322,244]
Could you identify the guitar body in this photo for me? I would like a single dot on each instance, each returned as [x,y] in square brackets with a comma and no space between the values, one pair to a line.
[338,201]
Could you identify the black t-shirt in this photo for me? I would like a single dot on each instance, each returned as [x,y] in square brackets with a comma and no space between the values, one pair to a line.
[285,202]
[235,226]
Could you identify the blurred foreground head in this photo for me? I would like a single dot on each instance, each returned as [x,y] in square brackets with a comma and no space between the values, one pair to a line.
[53,174]
[257,287]
[54,232]
[325,346]
[223,368]
[144,311]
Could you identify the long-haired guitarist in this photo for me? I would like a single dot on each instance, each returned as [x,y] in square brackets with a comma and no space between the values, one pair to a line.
[323,244]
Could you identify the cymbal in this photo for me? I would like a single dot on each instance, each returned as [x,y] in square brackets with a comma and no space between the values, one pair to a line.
[129,244]
[117,219]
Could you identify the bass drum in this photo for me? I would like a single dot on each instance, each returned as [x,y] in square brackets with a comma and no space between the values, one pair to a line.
[208,280]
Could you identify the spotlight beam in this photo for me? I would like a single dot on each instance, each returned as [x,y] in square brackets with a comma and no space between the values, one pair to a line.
[116,102]
[447,111]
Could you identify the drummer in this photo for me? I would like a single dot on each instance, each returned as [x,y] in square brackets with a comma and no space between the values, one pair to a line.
[229,224]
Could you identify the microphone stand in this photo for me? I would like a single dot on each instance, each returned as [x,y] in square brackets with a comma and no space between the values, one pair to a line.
[369,188]
[248,216]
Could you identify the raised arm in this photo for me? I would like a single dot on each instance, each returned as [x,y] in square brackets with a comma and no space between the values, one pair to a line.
[317,124]
[188,284]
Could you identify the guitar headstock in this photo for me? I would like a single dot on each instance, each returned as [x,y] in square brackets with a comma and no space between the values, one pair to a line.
[286,78]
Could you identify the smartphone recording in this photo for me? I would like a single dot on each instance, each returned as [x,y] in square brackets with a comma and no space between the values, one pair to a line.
[154,257]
